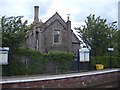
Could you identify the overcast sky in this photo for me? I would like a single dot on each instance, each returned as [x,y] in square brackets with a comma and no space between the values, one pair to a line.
[78,9]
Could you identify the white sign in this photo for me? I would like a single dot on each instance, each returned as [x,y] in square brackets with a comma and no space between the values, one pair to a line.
[110,49]
[84,55]
[4,56]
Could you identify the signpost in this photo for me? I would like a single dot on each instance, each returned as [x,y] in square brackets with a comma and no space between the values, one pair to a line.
[83,58]
[4,57]
[84,55]
[110,62]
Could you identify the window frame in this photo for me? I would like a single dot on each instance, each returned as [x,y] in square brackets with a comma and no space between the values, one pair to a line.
[59,38]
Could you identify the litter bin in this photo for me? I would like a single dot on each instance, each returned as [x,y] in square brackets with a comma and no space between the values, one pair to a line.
[99,66]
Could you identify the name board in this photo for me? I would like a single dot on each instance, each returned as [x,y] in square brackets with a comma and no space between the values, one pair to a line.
[4,55]
[84,55]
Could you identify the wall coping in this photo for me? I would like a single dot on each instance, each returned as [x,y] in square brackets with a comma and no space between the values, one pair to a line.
[53,77]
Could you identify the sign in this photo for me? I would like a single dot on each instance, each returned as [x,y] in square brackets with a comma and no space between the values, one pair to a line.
[84,55]
[110,49]
[4,55]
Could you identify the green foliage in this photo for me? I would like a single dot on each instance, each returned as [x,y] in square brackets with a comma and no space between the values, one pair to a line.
[117,43]
[13,31]
[63,59]
[37,62]
[12,40]
[28,61]
[13,24]
[105,61]
[16,68]
[97,34]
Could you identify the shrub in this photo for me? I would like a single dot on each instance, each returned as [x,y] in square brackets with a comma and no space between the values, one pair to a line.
[28,61]
[63,59]
[16,68]
[105,61]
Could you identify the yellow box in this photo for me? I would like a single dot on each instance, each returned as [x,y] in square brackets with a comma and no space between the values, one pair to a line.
[99,66]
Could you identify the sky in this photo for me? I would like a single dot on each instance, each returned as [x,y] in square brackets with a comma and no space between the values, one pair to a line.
[78,9]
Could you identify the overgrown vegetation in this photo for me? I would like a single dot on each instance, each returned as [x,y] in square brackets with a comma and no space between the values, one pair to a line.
[28,62]
[105,61]
[63,59]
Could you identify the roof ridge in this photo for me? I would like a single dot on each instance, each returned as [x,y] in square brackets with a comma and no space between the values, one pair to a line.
[56,13]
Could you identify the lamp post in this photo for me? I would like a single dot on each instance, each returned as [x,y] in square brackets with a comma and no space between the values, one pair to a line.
[110,61]
[111,49]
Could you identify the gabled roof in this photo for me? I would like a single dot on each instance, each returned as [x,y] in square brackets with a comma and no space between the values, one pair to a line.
[55,17]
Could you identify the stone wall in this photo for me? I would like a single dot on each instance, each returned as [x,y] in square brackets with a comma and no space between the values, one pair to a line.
[47,38]
[93,80]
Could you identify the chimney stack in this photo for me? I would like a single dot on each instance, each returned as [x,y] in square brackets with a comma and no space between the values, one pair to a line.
[69,34]
[36,14]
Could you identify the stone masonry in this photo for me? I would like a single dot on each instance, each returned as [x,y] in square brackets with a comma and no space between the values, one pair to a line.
[42,35]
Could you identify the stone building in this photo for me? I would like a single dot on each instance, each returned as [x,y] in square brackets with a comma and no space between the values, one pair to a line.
[54,34]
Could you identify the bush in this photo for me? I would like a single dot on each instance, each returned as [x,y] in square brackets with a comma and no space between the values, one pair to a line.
[28,62]
[16,68]
[105,61]
[37,61]
[63,59]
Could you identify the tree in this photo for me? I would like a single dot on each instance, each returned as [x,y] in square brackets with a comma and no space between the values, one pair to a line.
[97,34]
[13,31]
[118,40]
[117,43]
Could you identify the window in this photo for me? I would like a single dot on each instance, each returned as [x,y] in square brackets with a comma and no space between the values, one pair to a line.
[56,36]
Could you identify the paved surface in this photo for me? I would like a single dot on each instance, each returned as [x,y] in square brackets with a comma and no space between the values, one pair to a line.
[13,79]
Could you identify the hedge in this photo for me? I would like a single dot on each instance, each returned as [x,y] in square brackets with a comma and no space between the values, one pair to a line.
[105,60]
[63,59]
[29,62]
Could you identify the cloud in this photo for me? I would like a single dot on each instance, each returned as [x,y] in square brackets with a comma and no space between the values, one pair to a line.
[78,9]
[106,10]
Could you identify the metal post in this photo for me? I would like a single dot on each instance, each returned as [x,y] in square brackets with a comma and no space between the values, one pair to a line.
[9,56]
[89,60]
[78,62]
[8,69]
[110,59]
